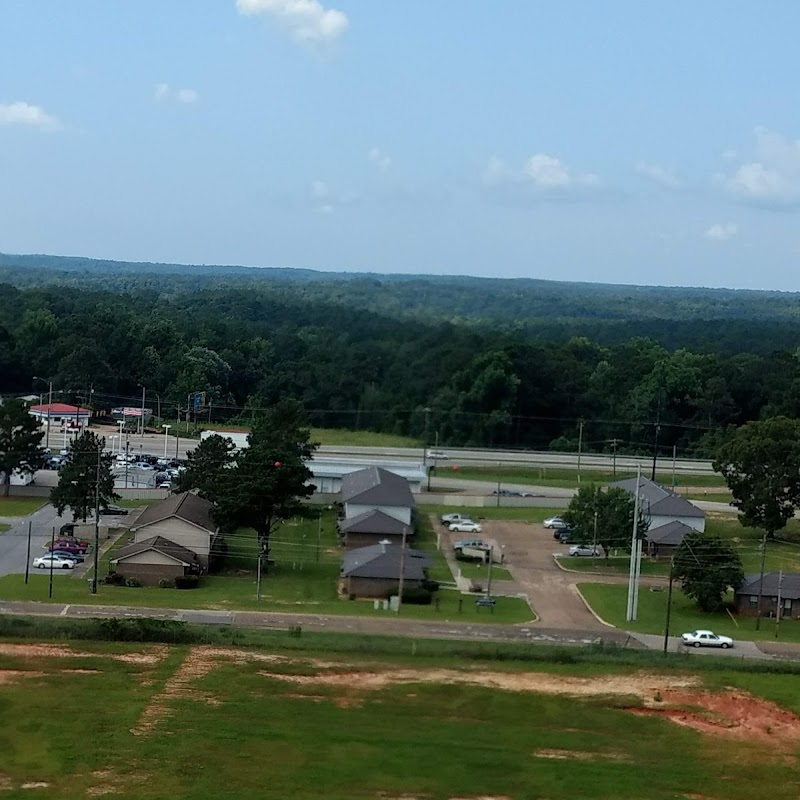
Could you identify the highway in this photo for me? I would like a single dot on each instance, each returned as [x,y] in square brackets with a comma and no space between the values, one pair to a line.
[154,444]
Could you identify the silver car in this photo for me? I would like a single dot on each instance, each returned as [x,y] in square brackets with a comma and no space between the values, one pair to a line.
[706,639]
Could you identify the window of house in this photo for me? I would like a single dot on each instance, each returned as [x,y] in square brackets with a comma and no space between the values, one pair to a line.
[787,605]
[753,599]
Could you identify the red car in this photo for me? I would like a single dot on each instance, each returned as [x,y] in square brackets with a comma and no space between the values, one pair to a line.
[68,546]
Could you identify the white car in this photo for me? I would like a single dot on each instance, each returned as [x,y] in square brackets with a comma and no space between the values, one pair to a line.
[466,527]
[555,522]
[585,550]
[706,639]
[437,455]
[58,562]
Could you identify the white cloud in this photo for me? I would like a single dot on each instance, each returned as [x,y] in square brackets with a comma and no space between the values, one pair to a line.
[306,20]
[661,175]
[25,114]
[163,93]
[721,231]
[379,159]
[544,172]
[773,176]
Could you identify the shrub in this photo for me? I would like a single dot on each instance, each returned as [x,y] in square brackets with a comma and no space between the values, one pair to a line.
[187,581]
[133,583]
[417,596]
[430,586]
[114,579]
[166,583]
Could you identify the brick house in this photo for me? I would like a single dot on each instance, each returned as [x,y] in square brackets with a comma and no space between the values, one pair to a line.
[155,559]
[374,571]
[781,589]
[372,527]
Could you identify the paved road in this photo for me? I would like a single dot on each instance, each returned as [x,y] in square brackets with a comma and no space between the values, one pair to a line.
[153,444]
[14,542]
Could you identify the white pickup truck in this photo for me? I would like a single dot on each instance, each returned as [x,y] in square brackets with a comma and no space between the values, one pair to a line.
[450,519]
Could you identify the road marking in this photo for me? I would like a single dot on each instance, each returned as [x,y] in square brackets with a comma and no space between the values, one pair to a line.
[64,611]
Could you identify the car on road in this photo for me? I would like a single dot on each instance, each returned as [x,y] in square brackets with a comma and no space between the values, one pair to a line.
[506,493]
[585,550]
[466,543]
[115,511]
[437,455]
[52,561]
[76,557]
[466,527]
[557,523]
[706,639]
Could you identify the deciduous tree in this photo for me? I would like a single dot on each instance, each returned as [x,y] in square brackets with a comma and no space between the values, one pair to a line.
[707,567]
[85,474]
[206,466]
[761,465]
[615,510]
[20,440]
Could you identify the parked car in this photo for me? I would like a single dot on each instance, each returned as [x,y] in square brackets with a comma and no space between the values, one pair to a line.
[56,562]
[466,527]
[437,455]
[466,543]
[449,519]
[142,465]
[555,522]
[76,557]
[706,639]
[564,535]
[115,511]
[586,550]
[66,547]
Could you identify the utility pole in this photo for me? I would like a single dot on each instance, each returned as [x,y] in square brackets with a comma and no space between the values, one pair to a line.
[127,448]
[632,574]
[258,573]
[52,547]
[499,466]
[489,578]
[594,543]
[655,451]
[143,398]
[28,560]
[425,436]
[436,450]
[580,447]
[319,534]
[402,579]
[669,604]
[614,445]
[778,609]
[49,408]
[761,582]
[674,456]
[96,517]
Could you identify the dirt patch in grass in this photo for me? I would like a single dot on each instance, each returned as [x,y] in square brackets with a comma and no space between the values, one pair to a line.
[151,655]
[730,713]
[13,675]
[579,755]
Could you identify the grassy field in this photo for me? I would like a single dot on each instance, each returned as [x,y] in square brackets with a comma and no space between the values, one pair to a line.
[609,602]
[302,581]
[337,436]
[20,506]
[143,722]
[568,478]
[4,527]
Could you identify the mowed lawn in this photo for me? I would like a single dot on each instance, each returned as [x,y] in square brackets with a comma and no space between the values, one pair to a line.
[609,601]
[340,436]
[303,580]
[168,722]
[20,506]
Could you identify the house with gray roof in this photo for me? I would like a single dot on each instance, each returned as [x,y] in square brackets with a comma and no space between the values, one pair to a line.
[377,489]
[662,505]
[155,559]
[372,527]
[662,541]
[374,571]
[184,519]
[781,590]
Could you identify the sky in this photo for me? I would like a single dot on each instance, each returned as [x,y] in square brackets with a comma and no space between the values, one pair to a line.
[609,141]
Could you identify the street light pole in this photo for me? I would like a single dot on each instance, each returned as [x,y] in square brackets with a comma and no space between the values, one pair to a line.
[97,515]
[49,407]
[143,398]
[166,431]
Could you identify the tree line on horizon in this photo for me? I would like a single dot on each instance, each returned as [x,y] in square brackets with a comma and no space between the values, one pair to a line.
[353,364]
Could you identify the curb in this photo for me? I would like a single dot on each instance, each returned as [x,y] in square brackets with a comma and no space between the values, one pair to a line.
[574,586]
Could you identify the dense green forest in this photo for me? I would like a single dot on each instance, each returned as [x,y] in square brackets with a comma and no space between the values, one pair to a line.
[514,363]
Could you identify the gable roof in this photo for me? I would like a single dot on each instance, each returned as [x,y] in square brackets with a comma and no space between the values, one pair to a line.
[376,486]
[186,506]
[660,502]
[377,522]
[789,583]
[670,534]
[383,561]
[160,545]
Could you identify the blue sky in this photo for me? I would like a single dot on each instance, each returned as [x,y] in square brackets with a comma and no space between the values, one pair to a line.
[609,141]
